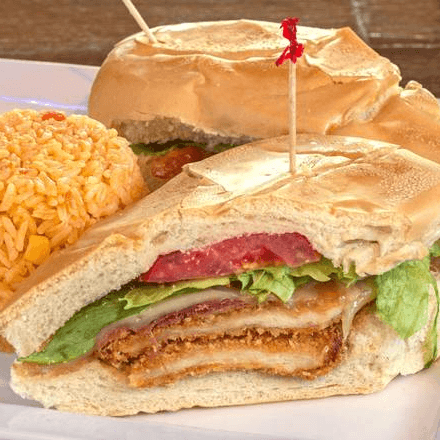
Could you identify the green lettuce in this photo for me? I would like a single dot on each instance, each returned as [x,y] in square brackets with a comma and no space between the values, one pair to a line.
[282,281]
[435,250]
[147,294]
[324,270]
[160,149]
[402,300]
[78,335]
[406,313]
[271,280]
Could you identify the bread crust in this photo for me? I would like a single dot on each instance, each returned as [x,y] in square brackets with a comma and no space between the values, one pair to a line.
[410,119]
[357,201]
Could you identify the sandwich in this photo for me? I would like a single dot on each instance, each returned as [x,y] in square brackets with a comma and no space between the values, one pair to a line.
[238,282]
[208,86]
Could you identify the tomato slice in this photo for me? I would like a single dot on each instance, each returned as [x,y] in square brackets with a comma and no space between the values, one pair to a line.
[234,255]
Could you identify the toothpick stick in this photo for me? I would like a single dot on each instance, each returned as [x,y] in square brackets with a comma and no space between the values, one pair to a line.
[140,21]
[292,117]
[292,52]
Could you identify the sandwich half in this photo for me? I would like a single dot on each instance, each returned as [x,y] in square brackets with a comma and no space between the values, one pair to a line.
[238,282]
[207,86]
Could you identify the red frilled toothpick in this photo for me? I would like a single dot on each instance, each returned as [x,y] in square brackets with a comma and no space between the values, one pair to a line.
[292,52]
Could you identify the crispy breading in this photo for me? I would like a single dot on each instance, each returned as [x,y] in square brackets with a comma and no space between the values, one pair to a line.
[158,356]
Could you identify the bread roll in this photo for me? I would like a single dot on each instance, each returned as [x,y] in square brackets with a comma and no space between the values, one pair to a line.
[217,82]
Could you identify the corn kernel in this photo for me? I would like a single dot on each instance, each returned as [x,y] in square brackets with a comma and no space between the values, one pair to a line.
[38,249]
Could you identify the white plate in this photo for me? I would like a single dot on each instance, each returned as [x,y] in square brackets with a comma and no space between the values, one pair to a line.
[408,409]
[31,84]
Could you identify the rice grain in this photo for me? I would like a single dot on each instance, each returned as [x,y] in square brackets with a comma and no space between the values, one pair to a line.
[57,178]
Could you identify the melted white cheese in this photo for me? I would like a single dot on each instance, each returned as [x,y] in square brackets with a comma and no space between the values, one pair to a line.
[313,305]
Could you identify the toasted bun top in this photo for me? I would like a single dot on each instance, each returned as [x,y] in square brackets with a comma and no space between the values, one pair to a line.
[410,119]
[363,202]
[221,78]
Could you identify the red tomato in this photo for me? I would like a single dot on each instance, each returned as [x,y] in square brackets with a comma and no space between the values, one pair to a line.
[53,115]
[169,165]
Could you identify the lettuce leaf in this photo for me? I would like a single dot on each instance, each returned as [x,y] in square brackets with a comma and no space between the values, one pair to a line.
[148,294]
[402,296]
[402,301]
[432,341]
[78,335]
[435,250]
[324,270]
[282,281]
[270,280]
[160,149]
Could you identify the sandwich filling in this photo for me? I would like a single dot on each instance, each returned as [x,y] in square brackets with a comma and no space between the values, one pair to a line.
[303,337]
[161,161]
[265,302]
